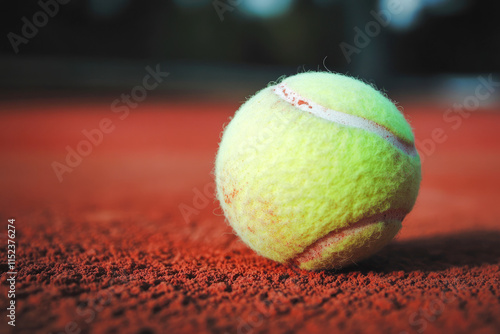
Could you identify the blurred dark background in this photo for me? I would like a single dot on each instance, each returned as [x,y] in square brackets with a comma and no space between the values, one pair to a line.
[213,47]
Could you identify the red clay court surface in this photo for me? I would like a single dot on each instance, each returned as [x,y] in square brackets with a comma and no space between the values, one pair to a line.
[108,251]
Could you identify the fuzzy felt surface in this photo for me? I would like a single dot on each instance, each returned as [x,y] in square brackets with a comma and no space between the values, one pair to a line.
[286,178]
[352,96]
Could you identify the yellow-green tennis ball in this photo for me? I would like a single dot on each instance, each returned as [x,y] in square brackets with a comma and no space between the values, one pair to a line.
[318,170]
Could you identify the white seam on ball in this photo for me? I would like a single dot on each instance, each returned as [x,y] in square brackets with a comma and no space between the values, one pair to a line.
[292,97]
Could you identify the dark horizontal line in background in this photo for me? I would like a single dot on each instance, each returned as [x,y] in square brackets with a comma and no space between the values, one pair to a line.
[35,77]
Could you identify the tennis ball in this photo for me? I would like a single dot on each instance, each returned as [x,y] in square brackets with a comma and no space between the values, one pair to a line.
[318,170]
